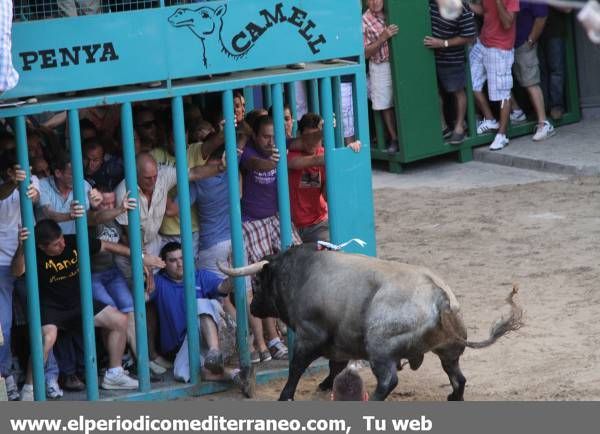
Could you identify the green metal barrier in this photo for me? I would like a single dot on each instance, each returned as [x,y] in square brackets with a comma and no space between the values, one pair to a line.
[351,212]
[416,93]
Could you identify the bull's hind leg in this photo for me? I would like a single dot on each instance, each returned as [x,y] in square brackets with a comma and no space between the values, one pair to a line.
[450,363]
[334,369]
[387,378]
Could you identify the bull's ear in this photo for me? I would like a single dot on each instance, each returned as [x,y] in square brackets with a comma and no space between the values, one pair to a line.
[220,11]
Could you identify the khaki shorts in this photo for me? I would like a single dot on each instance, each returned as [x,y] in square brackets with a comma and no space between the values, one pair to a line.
[527,65]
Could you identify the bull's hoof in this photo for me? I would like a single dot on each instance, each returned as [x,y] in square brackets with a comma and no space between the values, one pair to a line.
[455,397]
[416,362]
[326,384]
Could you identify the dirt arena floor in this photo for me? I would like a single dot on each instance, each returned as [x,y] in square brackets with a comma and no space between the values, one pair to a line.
[545,236]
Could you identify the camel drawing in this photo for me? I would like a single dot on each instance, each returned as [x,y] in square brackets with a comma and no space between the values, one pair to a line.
[204,22]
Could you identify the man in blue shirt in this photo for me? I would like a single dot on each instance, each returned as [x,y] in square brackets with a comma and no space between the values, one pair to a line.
[169,297]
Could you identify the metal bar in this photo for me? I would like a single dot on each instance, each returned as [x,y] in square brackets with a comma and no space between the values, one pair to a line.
[235,218]
[181,88]
[185,220]
[571,88]
[267,97]
[471,120]
[329,144]
[337,107]
[290,94]
[31,277]
[85,271]
[313,95]
[135,247]
[249,98]
[283,194]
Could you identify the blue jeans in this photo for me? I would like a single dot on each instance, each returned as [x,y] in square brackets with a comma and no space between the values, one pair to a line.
[6,296]
[552,67]
[110,287]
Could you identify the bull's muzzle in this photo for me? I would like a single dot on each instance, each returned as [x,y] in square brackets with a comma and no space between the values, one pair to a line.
[248,270]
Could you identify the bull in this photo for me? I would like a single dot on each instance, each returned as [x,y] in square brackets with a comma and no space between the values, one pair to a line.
[349,307]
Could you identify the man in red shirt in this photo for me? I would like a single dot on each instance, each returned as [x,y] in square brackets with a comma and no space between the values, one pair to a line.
[306,165]
[491,60]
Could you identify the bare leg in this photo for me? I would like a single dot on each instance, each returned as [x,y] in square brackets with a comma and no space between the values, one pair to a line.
[537,100]
[270,328]
[504,115]
[389,119]
[131,333]
[49,333]
[442,115]
[461,111]
[115,324]
[483,105]
[209,332]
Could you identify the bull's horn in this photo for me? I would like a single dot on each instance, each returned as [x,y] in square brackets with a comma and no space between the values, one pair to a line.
[248,270]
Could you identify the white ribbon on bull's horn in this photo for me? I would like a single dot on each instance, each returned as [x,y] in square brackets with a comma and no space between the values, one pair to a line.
[331,246]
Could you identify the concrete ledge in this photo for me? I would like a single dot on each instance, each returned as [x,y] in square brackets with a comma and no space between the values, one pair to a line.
[506,159]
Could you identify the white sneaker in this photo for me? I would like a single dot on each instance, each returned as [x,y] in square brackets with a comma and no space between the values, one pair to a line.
[543,132]
[12,391]
[118,381]
[53,390]
[156,368]
[500,141]
[27,392]
[517,116]
[487,126]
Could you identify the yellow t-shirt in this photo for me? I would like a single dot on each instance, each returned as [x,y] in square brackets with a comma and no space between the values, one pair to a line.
[170,225]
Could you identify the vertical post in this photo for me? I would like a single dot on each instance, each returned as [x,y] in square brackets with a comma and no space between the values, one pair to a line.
[185,219]
[313,95]
[85,272]
[283,193]
[471,121]
[31,277]
[237,241]
[337,106]
[267,97]
[135,247]
[249,97]
[290,93]
[571,98]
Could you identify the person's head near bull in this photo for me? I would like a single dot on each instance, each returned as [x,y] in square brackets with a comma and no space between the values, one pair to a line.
[349,386]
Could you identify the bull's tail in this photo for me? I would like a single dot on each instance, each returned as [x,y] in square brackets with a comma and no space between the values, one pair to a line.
[503,325]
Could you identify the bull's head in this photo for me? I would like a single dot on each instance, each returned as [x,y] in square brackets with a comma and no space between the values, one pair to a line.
[263,289]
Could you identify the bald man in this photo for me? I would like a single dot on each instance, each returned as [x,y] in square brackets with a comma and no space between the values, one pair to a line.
[154,183]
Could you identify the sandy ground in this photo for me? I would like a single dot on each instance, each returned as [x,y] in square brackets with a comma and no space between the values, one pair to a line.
[545,236]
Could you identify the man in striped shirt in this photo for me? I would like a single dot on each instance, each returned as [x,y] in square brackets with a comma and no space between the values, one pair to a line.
[448,40]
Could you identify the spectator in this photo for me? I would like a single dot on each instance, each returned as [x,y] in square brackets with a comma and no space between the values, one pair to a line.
[288,120]
[530,24]
[169,298]
[40,167]
[8,74]
[376,35]
[349,386]
[552,52]
[491,60]
[60,302]
[146,127]
[239,107]
[73,8]
[306,164]
[56,197]
[100,168]
[10,218]
[448,40]
[260,226]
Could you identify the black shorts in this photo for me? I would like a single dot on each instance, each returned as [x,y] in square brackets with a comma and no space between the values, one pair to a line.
[452,78]
[68,319]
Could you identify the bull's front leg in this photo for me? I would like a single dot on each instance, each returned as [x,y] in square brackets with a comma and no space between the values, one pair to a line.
[334,369]
[303,357]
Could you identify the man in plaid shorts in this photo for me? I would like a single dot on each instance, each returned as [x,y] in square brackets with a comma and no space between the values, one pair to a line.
[491,60]
[260,227]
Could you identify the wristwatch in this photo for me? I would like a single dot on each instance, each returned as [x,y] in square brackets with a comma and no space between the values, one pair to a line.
[445,43]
